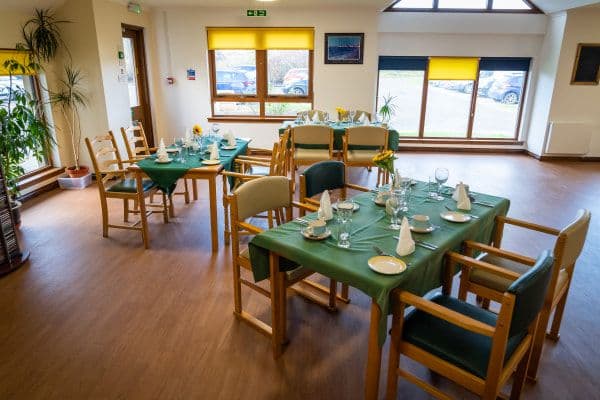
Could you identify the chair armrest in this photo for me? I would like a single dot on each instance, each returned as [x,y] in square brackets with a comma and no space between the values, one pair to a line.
[478,264]
[446,314]
[254,158]
[528,225]
[500,252]
[305,206]
[357,187]
[250,228]
[252,162]
[239,175]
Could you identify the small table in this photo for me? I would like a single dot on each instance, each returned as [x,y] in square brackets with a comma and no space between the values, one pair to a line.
[370,227]
[339,130]
[195,170]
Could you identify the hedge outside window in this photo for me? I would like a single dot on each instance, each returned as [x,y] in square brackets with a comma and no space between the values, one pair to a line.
[260,73]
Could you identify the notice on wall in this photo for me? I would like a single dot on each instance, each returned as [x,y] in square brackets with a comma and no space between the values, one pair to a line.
[191,74]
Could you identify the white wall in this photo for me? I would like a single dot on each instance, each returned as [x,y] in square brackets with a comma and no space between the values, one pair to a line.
[182,31]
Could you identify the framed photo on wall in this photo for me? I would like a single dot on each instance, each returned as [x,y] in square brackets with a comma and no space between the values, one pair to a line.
[586,70]
[344,48]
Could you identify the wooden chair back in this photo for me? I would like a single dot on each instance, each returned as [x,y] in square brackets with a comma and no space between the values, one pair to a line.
[136,142]
[571,239]
[367,136]
[281,160]
[312,135]
[106,159]
[324,175]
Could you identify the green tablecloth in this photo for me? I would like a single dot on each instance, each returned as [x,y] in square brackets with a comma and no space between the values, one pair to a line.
[166,175]
[339,129]
[370,227]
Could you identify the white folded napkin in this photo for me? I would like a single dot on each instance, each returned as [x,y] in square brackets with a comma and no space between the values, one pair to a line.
[230,138]
[316,117]
[307,118]
[214,152]
[161,152]
[406,244]
[462,201]
[366,121]
[455,193]
[325,206]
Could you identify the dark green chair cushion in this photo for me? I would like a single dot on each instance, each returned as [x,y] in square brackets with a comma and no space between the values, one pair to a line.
[324,175]
[129,186]
[465,349]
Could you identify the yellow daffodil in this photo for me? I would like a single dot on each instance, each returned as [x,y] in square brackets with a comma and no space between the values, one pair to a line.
[197,129]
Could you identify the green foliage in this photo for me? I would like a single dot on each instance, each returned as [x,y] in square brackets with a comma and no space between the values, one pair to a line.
[388,109]
[42,35]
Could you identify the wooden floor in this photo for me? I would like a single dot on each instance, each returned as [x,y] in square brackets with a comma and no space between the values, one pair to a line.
[94,318]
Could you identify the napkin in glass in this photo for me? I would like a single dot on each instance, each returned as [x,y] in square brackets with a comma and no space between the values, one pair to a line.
[325,206]
[406,244]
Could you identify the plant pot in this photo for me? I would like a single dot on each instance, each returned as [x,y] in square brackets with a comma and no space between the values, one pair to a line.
[77,173]
[15,208]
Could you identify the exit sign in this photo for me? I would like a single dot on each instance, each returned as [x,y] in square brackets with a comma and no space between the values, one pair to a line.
[256,13]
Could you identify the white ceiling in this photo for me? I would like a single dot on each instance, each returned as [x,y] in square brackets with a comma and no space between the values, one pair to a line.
[548,6]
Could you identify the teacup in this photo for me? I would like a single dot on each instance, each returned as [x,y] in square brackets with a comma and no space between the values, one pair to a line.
[317,227]
[421,222]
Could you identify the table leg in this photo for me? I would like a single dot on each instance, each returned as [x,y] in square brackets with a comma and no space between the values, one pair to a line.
[373,355]
[214,229]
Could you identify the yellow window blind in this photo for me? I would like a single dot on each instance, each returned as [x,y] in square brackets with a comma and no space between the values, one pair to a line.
[22,57]
[260,38]
[453,68]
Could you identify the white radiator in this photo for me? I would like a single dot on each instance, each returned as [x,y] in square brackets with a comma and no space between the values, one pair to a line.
[569,137]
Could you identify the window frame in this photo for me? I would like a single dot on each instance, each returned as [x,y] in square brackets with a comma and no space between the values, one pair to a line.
[420,137]
[489,9]
[262,96]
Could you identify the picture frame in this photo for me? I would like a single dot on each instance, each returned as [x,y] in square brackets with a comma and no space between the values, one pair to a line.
[586,69]
[344,48]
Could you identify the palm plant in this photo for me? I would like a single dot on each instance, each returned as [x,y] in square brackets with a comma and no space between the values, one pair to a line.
[70,97]
[42,35]
[388,109]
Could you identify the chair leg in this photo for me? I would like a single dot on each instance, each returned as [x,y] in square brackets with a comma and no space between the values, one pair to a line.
[557,319]
[226,228]
[126,210]
[165,202]
[237,289]
[538,343]
[332,294]
[195,189]
[186,193]
[144,219]
[345,296]
[171,207]
[104,216]
[394,359]
[519,377]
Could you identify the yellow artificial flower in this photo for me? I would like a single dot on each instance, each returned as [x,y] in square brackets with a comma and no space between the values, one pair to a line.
[340,110]
[197,129]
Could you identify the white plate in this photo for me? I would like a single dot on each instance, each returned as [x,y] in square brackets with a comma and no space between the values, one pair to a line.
[455,216]
[429,229]
[387,265]
[335,207]
[211,162]
[228,147]
[168,160]
[307,233]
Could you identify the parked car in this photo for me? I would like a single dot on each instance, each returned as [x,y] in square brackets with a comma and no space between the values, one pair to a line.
[486,78]
[249,71]
[294,75]
[233,82]
[299,88]
[507,89]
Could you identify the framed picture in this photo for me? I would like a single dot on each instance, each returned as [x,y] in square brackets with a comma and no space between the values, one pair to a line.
[586,70]
[344,48]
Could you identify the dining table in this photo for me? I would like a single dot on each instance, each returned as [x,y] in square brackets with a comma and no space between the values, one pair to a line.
[339,130]
[192,166]
[274,251]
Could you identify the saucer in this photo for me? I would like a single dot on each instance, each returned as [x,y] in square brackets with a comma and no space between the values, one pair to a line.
[335,207]
[211,162]
[428,229]
[454,216]
[307,233]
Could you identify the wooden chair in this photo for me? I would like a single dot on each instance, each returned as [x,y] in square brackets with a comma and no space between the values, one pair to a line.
[105,156]
[325,175]
[361,144]
[568,246]
[255,197]
[304,139]
[471,346]
[136,145]
[311,114]
[247,168]
[343,115]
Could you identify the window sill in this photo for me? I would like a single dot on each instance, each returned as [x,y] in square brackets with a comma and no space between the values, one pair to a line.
[485,142]
[255,120]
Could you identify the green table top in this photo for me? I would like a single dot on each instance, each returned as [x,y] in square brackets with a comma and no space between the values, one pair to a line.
[166,175]
[370,227]
[339,129]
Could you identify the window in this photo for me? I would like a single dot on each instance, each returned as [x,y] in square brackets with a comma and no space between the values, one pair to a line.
[513,6]
[434,96]
[260,73]
[30,85]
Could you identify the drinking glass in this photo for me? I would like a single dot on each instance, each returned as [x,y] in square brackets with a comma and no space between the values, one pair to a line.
[178,143]
[441,177]
[432,187]
[395,204]
[352,115]
[404,193]
[345,208]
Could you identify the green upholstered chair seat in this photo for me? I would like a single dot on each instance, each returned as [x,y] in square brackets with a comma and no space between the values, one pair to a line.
[500,284]
[303,154]
[129,185]
[259,170]
[362,156]
[468,350]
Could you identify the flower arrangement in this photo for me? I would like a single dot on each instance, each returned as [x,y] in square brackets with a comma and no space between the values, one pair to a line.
[197,129]
[385,160]
[341,112]
[388,108]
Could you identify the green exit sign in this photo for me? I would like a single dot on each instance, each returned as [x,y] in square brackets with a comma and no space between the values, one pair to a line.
[256,13]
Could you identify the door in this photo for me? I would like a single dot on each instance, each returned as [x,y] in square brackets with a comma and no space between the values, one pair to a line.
[137,80]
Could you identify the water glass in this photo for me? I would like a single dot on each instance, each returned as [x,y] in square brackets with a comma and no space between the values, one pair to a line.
[352,115]
[345,208]
[441,177]
[395,204]
[404,196]
[432,187]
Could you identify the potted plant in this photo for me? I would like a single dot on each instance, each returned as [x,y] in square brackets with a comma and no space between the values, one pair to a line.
[70,98]
[23,132]
[388,108]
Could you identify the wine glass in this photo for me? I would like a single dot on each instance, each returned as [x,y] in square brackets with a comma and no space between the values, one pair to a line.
[441,177]
[395,204]
[352,115]
[345,208]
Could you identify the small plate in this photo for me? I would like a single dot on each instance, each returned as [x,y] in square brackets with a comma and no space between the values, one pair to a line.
[356,206]
[429,229]
[228,147]
[211,162]
[307,233]
[168,160]
[387,265]
[455,216]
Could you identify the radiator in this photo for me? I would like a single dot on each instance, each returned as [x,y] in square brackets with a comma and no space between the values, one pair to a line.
[569,137]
